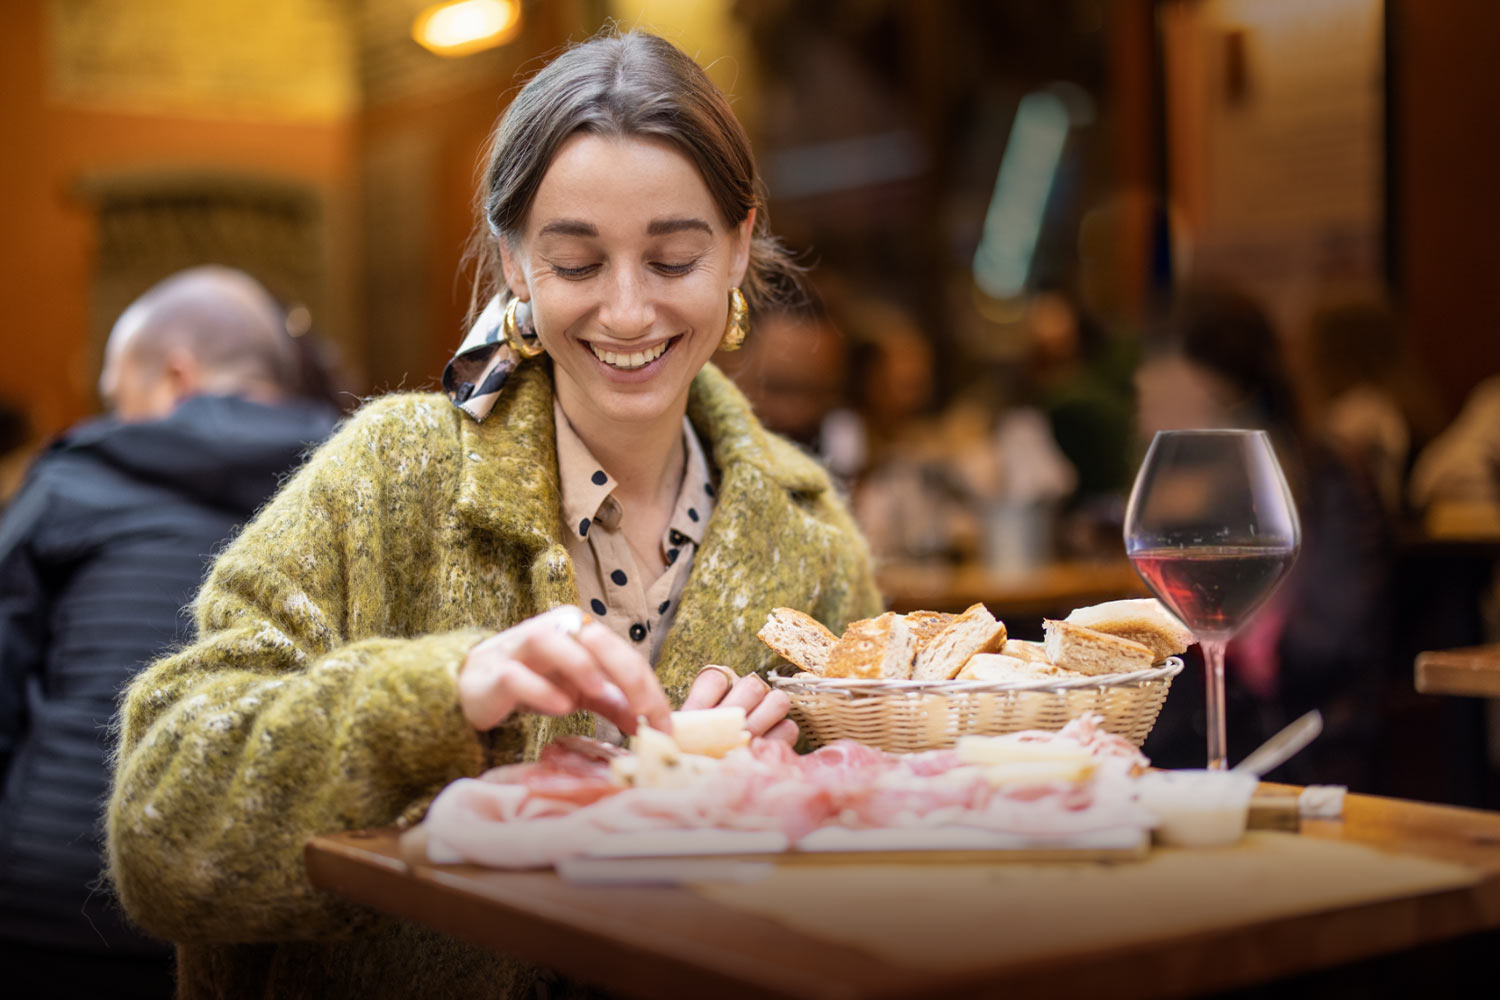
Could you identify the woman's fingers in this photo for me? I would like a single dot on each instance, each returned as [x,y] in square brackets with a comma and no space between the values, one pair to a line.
[786,731]
[746,693]
[491,687]
[531,690]
[562,660]
[632,674]
[548,664]
[770,713]
[709,688]
[764,708]
[612,705]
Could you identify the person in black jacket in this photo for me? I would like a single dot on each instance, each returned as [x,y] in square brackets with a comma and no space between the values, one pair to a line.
[101,550]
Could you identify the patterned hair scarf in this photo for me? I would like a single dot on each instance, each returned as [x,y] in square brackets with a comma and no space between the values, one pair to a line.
[477,373]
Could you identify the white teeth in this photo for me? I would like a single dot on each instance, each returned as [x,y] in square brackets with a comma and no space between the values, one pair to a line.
[627,362]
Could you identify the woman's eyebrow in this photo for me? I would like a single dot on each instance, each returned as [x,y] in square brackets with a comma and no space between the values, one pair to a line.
[568,227]
[664,227]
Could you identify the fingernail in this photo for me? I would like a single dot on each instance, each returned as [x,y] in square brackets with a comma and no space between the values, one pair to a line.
[612,695]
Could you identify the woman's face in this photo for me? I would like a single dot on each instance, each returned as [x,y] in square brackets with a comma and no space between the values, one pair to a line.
[627,264]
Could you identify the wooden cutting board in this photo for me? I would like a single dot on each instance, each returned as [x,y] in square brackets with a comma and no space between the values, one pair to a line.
[686,856]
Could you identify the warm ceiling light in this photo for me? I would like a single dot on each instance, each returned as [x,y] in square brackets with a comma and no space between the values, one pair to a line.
[462,27]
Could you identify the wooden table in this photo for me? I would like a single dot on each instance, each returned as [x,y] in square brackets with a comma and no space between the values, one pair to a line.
[666,941]
[1053,589]
[1473,671]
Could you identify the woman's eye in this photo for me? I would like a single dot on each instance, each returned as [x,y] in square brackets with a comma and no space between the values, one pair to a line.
[674,270]
[574,272]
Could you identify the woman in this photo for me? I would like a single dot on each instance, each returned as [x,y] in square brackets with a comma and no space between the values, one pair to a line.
[372,635]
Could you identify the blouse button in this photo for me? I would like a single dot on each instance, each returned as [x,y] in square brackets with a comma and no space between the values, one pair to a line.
[637,632]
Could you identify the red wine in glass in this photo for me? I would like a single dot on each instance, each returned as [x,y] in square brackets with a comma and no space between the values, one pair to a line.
[1212,529]
[1214,589]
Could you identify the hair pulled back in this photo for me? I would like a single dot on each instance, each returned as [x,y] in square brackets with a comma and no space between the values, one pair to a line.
[630,85]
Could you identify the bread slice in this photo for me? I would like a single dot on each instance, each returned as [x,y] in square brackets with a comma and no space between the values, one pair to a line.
[1089,652]
[974,631]
[999,668]
[925,625]
[1145,620]
[1021,649]
[873,648]
[798,638]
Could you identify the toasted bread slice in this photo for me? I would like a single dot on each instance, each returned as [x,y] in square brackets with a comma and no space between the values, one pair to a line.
[1021,649]
[1145,620]
[997,667]
[1089,652]
[925,625]
[974,631]
[873,648]
[798,638]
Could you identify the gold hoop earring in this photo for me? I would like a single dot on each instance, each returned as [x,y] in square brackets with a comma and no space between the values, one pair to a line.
[519,332]
[738,326]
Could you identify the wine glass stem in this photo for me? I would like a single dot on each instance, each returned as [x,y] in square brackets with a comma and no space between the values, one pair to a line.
[1213,665]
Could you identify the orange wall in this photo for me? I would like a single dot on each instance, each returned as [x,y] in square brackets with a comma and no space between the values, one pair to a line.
[46,251]
[453,126]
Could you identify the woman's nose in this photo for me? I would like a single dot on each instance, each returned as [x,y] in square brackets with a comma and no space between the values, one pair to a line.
[626,311]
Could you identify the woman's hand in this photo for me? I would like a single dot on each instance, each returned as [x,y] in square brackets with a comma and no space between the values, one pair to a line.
[765,709]
[549,665]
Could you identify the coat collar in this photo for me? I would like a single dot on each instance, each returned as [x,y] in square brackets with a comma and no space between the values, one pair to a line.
[509,483]
[755,553]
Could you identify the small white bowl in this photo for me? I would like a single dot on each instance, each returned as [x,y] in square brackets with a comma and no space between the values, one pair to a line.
[1197,808]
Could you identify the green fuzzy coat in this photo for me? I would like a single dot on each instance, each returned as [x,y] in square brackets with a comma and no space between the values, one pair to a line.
[321,695]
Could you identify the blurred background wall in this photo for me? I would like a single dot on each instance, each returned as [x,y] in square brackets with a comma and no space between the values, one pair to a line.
[1296,146]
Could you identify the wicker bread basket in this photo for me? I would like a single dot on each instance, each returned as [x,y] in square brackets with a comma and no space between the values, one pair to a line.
[908,716]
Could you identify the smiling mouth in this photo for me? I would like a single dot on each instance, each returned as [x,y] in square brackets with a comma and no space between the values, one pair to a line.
[627,361]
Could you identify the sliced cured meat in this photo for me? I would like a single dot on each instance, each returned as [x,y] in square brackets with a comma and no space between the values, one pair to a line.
[530,815]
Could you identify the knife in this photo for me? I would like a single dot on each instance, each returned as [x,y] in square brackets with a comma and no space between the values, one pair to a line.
[1280,748]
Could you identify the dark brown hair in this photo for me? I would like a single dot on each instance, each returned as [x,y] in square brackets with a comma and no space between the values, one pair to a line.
[633,85]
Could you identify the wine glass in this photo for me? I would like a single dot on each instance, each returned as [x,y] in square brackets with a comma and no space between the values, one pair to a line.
[1212,529]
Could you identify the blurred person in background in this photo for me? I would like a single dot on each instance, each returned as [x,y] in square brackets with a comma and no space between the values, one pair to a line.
[1079,377]
[1461,466]
[1455,485]
[1321,641]
[1373,407]
[321,375]
[106,542]
[15,449]
[891,380]
[792,371]
[910,492]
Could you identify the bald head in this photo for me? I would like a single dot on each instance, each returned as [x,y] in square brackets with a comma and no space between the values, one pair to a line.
[208,330]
